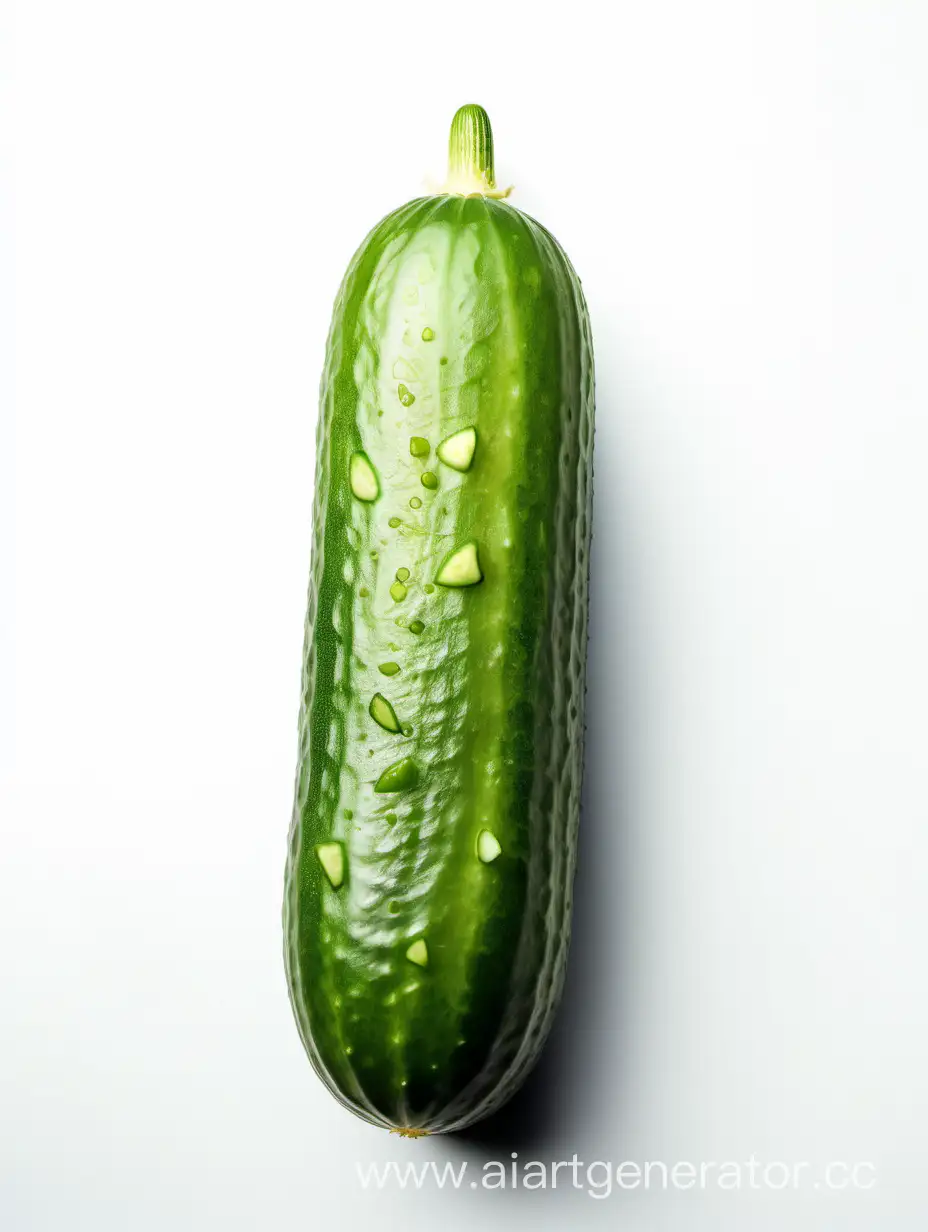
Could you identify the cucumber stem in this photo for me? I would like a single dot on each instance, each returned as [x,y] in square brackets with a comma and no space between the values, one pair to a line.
[470,155]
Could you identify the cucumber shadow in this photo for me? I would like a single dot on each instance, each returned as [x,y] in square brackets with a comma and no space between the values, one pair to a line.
[578,1081]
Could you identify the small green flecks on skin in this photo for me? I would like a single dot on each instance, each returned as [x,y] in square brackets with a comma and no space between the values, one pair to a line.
[418,953]
[332,858]
[457,450]
[428,334]
[406,369]
[415,503]
[429,480]
[380,414]
[364,592]
[394,907]
[401,621]
[460,567]
[429,588]
[401,776]
[374,554]
[389,669]
[390,819]
[407,729]
[443,360]
[416,626]
[394,523]
[363,478]
[402,574]
[383,713]
[348,814]
[488,847]
[405,396]
[419,447]
[398,592]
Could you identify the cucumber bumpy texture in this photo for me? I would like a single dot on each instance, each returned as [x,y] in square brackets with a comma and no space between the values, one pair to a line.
[433,840]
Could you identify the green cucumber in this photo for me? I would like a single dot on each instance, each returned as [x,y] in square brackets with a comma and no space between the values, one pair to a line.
[428,885]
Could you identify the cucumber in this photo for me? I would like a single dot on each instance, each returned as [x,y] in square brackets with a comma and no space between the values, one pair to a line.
[433,839]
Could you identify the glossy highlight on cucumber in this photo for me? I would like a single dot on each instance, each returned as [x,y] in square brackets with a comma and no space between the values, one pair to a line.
[434,829]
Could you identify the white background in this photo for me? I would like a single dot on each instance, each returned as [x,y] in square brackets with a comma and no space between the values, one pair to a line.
[742,187]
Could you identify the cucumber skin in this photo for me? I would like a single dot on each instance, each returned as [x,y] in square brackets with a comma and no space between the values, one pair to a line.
[493,687]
